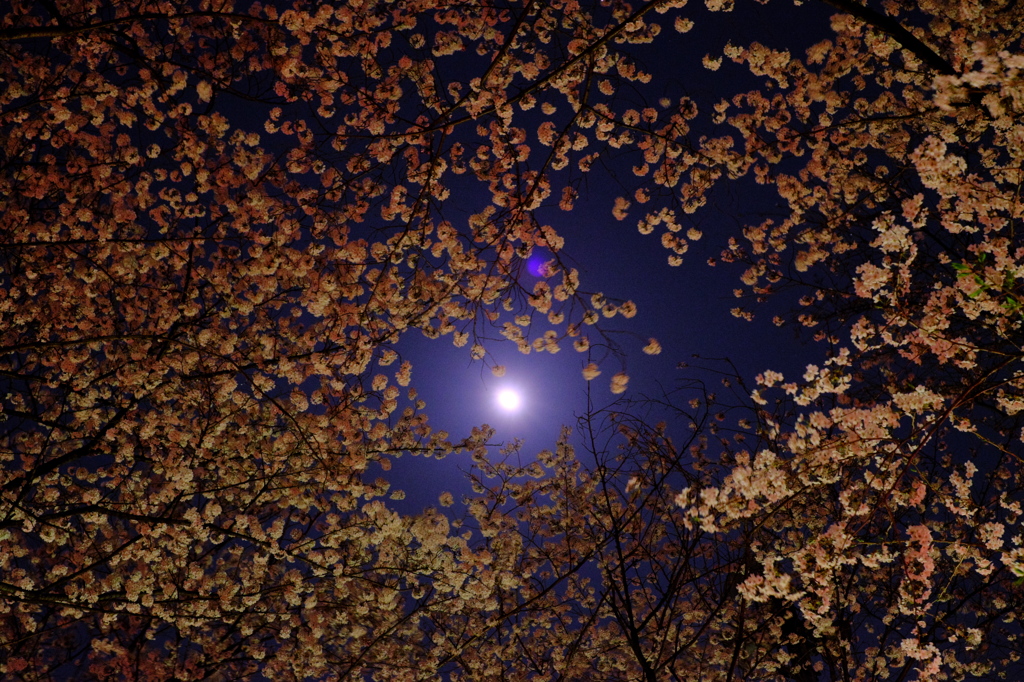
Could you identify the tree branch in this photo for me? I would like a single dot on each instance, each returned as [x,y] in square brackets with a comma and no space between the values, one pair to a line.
[894,30]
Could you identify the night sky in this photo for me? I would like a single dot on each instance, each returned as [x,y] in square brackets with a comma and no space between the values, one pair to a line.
[686,308]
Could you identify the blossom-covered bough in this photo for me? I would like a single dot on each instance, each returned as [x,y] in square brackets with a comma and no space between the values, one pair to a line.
[892,494]
[217,219]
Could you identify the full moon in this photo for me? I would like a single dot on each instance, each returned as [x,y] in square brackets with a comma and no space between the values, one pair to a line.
[508,399]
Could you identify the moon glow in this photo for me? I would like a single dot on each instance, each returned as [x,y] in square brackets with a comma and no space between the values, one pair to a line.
[508,399]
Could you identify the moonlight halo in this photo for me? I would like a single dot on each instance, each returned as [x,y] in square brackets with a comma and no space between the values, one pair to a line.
[509,399]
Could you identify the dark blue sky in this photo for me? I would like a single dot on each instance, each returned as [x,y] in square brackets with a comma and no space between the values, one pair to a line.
[686,308]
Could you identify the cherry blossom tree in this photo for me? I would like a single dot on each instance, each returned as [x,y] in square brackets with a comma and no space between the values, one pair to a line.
[894,147]
[219,218]
[218,221]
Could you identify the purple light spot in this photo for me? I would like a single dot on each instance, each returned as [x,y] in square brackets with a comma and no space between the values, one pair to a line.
[535,266]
